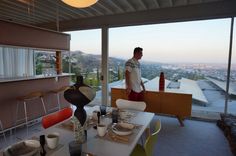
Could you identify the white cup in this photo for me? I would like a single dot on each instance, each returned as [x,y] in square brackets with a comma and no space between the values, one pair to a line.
[102,129]
[52,140]
[105,120]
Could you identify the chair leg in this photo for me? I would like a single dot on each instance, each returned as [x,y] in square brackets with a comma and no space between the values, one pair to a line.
[147,131]
[147,134]
[4,137]
[17,111]
[58,101]
[142,142]
[26,117]
[44,108]
[3,133]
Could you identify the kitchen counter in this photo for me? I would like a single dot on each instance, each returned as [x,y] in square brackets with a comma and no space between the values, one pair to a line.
[25,78]
[13,88]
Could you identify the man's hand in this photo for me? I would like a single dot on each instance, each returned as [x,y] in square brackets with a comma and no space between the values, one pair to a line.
[128,90]
[144,90]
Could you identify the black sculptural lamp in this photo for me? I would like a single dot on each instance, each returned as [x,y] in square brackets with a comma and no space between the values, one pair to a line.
[79,95]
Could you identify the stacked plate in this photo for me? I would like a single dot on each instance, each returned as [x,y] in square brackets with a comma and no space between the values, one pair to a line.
[123,128]
[24,148]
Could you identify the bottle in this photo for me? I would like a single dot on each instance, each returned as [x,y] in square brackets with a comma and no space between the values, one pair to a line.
[161,82]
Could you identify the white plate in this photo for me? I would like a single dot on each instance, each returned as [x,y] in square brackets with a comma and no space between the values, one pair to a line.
[34,144]
[119,130]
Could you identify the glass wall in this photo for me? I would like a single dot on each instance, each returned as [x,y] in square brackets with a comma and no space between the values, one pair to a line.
[85,58]
[192,55]
[66,62]
[45,63]
[232,85]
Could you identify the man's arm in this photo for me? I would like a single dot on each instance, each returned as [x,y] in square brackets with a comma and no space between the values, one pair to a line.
[127,81]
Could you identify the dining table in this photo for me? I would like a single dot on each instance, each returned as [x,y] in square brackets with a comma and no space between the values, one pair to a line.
[96,145]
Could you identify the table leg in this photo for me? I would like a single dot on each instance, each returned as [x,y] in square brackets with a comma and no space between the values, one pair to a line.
[180,119]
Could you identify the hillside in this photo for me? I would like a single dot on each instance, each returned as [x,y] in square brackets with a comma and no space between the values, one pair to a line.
[89,62]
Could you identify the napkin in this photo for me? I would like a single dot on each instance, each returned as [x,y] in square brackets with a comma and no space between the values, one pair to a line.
[126,125]
[119,127]
[118,138]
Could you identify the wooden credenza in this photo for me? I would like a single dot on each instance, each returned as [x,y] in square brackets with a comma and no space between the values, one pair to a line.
[177,104]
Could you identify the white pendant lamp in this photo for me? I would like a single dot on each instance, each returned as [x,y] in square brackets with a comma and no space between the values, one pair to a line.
[80,3]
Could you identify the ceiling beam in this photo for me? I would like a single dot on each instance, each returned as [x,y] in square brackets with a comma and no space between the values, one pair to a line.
[117,6]
[105,8]
[27,17]
[143,4]
[40,8]
[171,3]
[130,5]
[96,11]
[220,9]
[156,3]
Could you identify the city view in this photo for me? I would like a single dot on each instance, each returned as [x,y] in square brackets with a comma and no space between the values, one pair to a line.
[89,66]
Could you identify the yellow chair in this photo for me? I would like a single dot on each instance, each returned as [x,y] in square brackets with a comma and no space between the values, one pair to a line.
[147,150]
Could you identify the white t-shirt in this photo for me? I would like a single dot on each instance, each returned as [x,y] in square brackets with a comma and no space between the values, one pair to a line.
[133,66]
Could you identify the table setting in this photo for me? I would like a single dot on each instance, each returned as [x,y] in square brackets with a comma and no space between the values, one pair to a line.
[35,146]
[110,124]
[121,128]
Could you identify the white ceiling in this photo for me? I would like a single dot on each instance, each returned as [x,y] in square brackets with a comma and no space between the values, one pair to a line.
[54,14]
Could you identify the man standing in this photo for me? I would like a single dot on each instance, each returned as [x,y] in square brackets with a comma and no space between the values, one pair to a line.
[133,77]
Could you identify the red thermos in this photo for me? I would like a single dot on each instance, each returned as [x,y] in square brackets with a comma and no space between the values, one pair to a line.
[161,82]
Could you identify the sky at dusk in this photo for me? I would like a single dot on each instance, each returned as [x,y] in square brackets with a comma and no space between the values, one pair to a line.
[205,41]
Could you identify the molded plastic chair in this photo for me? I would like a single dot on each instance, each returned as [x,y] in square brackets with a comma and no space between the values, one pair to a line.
[2,132]
[54,118]
[127,104]
[147,150]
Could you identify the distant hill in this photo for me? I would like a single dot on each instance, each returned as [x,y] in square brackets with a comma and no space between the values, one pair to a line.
[91,61]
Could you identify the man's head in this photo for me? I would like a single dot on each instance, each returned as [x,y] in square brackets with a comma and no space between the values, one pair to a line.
[138,53]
